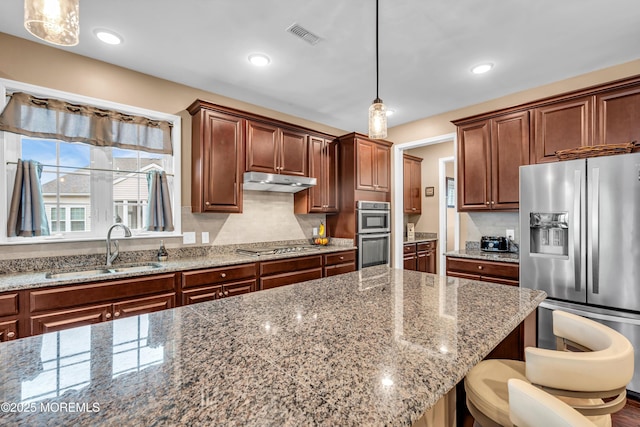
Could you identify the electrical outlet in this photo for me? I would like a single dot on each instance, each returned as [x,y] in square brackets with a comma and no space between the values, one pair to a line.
[188,237]
[205,237]
[315,231]
[511,234]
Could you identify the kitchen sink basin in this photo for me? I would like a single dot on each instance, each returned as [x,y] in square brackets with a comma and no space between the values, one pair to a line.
[141,267]
[77,273]
[102,270]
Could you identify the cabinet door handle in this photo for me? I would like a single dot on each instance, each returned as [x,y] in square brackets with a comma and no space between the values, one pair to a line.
[116,314]
[341,258]
[487,203]
[480,267]
[413,209]
[220,294]
[11,334]
[207,203]
[223,275]
[493,203]
[108,315]
[226,293]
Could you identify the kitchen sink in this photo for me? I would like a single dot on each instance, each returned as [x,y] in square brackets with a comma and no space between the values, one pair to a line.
[102,270]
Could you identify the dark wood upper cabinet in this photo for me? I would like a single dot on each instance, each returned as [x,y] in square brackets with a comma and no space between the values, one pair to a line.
[474,166]
[217,151]
[323,165]
[373,166]
[412,184]
[562,125]
[618,116]
[272,149]
[509,151]
[490,153]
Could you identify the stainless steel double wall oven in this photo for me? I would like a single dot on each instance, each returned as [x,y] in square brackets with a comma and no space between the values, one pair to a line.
[373,233]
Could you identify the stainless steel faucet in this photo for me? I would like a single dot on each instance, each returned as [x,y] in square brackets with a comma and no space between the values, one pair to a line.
[111,256]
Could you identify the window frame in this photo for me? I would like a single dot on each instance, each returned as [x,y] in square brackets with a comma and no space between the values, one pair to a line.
[176,137]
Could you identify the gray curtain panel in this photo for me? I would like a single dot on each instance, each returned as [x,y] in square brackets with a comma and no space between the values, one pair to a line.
[28,115]
[27,216]
[159,214]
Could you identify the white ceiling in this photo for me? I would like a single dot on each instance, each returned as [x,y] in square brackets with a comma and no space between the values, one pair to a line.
[426,49]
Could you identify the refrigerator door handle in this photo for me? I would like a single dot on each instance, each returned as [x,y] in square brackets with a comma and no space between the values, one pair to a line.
[577,215]
[595,230]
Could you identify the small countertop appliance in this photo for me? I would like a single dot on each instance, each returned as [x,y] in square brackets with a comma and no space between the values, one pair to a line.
[494,244]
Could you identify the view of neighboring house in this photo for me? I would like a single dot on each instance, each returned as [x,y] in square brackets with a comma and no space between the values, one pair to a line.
[67,199]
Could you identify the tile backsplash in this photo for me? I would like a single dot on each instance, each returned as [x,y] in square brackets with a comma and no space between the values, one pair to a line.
[491,224]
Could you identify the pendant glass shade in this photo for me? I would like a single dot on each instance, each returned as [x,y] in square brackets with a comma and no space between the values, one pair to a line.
[377,120]
[54,21]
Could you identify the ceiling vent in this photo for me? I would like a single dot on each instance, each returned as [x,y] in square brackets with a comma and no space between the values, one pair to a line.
[303,33]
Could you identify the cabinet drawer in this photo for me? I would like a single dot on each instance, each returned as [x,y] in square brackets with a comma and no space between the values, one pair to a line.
[484,268]
[70,319]
[409,248]
[289,278]
[340,258]
[426,246]
[290,265]
[144,305]
[212,276]
[72,296]
[9,304]
[332,270]
[206,293]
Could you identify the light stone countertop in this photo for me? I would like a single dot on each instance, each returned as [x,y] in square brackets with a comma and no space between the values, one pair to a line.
[485,256]
[374,347]
[38,279]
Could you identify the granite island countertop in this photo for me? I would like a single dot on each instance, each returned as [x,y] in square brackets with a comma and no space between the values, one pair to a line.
[38,279]
[378,346]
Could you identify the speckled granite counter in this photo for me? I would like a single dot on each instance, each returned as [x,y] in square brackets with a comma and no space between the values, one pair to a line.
[486,256]
[372,347]
[420,239]
[38,279]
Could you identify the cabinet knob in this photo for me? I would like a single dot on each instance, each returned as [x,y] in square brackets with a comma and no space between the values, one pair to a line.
[116,314]
[413,209]
[220,294]
[207,203]
[223,275]
[480,267]
[108,315]
[341,258]
[493,203]
[487,202]
[11,334]
[226,293]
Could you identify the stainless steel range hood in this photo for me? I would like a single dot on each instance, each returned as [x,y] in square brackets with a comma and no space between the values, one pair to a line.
[260,181]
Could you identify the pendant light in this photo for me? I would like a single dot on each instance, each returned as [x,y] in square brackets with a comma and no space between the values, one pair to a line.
[54,21]
[377,111]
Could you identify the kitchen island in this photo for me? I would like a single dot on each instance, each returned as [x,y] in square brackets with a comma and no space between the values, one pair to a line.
[378,346]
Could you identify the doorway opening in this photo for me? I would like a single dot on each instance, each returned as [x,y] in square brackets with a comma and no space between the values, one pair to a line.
[448,219]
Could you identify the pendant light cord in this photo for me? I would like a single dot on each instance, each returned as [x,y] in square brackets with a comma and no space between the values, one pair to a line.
[377,67]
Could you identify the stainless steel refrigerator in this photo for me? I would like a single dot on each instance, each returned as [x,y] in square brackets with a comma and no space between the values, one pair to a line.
[580,242]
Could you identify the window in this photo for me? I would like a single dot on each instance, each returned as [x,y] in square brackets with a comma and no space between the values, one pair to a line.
[87,188]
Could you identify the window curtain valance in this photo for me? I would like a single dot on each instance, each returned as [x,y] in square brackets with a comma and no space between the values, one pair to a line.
[28,115]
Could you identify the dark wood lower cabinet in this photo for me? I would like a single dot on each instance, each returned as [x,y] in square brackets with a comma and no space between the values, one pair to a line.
[8,330]
[505,273]
[420,256]
[339,263]
[38,311]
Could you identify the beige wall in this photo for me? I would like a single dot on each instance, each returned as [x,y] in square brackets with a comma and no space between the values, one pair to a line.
[37,64]
[475,225]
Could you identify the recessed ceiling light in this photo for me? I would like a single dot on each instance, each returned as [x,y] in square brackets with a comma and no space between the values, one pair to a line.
[481,68]
[259,59]
[108,36]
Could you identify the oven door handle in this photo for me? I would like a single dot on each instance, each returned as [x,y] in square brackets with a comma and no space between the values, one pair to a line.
[374,235]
